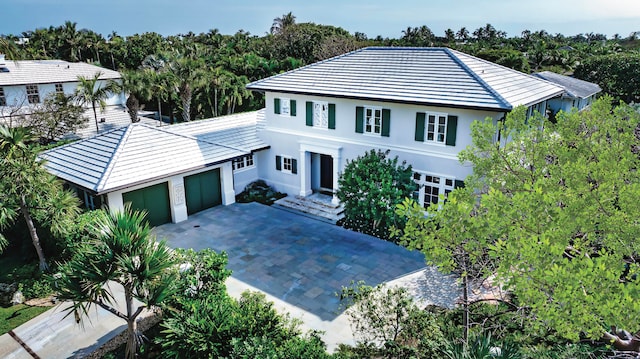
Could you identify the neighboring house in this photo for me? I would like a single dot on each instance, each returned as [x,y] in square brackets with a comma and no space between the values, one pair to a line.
[171,171]
[25,84]
[577,94]
[417,102]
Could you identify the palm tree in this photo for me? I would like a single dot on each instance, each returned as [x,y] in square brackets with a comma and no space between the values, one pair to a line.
[281,23]
[92,92]
[123,252]
[27,188]
[8,48]
[155,80]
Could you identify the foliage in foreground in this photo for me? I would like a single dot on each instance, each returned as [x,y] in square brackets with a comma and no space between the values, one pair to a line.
[370,188]
[557,208]
[203,321]
[123,256]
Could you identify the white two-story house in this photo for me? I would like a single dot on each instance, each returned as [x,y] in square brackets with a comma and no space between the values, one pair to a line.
[25,84]
[418,103]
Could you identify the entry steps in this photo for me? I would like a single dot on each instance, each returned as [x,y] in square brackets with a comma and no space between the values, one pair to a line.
[315,205]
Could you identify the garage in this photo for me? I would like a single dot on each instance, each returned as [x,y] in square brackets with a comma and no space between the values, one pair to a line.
[202,191]
[154,199]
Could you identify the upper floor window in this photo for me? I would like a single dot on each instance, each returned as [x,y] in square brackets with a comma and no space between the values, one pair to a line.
[33,94]
[373,120]
[243,162]
[436,128]
[321,114]
[430,187]
[284,106]
[59,88]
[3,98]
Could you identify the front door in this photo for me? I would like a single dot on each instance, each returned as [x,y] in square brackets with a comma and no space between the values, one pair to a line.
[326,172]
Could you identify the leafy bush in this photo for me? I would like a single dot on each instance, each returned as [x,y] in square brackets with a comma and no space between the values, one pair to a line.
[259,191]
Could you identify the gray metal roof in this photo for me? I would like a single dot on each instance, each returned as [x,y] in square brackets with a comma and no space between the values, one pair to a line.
[430,76]
[50,71]
[141,153]
[573,87]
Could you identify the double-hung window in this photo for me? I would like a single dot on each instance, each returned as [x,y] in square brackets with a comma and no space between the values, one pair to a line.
[284,106]
[438,128]
[372,120]
[33,94]
[321,114]
[59,88]
[286,164]
[243,162]
[430,187]
[3,97]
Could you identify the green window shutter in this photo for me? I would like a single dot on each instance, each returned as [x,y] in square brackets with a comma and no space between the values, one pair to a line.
[332,116]
[309,113]
[458,184]
[294,166]
[420,116]
[278,163]
[452,127]
[292,105]
[276,106]
[359,119]
[386,122]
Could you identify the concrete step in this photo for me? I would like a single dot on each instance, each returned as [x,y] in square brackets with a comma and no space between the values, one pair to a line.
[312,206]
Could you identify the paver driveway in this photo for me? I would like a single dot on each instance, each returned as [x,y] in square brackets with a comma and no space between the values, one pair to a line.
[299,260]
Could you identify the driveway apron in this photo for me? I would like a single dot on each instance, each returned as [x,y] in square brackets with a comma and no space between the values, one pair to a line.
[302,261]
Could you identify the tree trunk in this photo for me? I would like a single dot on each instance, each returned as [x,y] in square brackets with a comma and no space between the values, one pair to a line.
[132,327]
[34,234]
[160,111]
[185,96]
[465,304]
[215,102]
[95,117]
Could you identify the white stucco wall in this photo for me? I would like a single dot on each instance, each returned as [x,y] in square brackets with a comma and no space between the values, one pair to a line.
[287,135]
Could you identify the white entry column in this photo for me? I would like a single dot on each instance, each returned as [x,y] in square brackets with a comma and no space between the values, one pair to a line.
[305,173]
[336,175]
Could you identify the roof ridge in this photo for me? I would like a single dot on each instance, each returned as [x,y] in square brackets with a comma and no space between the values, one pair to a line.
[190,137]
[112,160]
[456,59]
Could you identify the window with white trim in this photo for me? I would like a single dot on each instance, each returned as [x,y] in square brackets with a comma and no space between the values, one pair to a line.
[243,162]
[436,127]
[3,98]
[287,164]
[33,94]
[430,188]
[320,114]
[59,88]
[373,120]
[285,107]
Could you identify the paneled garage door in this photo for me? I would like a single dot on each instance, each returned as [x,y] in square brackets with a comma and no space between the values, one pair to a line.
[154,199]
[202,191]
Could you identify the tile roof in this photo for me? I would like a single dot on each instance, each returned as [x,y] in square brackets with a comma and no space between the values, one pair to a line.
[572,86]
[49,71]
[430,76]
[141,153]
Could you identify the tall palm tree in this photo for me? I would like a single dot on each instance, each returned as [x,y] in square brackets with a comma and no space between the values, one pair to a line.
[8,48]
[27,188]
[188,76]
[126,253]
[282,22]
[155,80]
[91,91]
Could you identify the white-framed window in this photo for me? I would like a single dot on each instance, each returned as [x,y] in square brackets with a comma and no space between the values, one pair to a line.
[287,164]
[59,88]
[243,162]
[33,94]
[3,97]
[320,114]
[436,127]
[430,187]
[285,107]
[373,120]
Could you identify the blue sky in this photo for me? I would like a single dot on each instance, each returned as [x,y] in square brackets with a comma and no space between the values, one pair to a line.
[372,17]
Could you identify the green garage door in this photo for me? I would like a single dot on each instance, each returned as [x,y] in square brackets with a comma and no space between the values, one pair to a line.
[154,199]
[202,191]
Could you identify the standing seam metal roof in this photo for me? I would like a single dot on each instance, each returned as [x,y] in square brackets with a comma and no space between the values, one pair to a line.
[414,75]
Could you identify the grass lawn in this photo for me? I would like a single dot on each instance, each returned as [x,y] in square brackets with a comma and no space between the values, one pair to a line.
[14,316]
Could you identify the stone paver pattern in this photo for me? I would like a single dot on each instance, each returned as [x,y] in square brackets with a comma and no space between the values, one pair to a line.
[301,261]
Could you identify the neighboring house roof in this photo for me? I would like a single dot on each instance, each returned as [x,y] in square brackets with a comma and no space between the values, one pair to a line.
[141,153]
[429,76]
[573,87]
[50,71]
[114,117]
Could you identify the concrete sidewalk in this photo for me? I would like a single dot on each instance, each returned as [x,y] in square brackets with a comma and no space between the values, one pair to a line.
[51,336]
